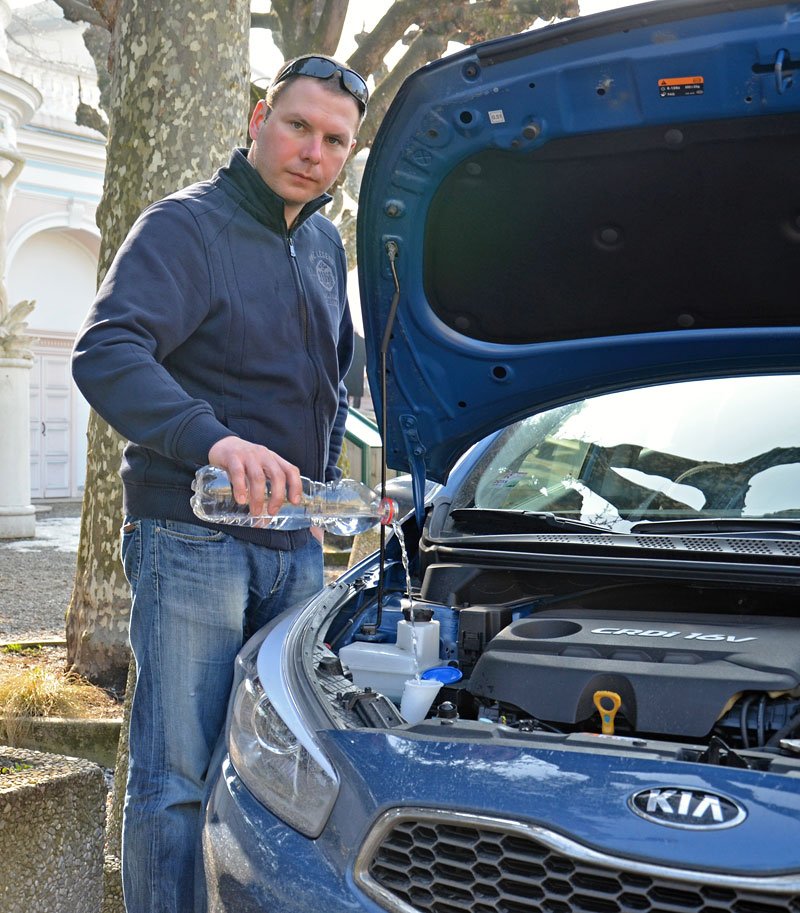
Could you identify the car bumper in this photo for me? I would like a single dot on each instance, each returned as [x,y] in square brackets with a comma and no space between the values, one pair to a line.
[254,862]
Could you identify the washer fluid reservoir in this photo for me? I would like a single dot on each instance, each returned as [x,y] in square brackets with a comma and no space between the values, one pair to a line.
[385,667]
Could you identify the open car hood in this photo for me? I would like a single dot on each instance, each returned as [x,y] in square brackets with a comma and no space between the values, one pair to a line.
[603,203]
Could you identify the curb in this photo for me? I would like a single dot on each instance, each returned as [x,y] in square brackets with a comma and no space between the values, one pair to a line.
[91,739]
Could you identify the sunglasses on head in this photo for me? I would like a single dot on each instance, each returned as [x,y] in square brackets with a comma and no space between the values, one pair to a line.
[323,68]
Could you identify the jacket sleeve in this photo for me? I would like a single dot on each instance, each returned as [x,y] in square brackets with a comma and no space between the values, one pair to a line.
[156,293]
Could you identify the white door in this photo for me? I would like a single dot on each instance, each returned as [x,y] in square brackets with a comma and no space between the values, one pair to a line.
[51,411]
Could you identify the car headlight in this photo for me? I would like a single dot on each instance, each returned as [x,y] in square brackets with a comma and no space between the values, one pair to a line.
[273,751]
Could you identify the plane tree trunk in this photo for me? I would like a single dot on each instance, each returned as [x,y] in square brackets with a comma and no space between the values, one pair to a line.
[178,100]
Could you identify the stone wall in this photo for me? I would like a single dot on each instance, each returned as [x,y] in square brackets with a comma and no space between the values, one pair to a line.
[52,827]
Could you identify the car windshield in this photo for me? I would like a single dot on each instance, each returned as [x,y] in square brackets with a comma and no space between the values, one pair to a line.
[711,449]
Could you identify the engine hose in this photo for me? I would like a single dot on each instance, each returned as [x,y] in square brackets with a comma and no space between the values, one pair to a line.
[775,739]
[745,709]
[762,704]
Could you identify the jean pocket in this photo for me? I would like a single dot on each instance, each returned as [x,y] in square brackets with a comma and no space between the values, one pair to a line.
[190,532]
[131,549]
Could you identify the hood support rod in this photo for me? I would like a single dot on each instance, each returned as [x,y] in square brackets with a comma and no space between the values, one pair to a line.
[392,251]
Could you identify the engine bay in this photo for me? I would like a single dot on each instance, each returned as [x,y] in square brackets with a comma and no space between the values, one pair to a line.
[677,680]
[710,669]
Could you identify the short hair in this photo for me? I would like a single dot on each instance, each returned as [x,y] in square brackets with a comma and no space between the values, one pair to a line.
[276,89]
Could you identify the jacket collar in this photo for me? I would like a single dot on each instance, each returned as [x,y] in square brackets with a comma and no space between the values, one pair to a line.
[257,198]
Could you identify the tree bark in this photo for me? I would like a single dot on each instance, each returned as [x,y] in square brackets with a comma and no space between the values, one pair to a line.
[176,110]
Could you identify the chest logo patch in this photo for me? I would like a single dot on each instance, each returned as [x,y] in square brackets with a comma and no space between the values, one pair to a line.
[325,275]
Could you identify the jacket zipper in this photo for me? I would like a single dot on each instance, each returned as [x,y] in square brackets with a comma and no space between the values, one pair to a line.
[303,303]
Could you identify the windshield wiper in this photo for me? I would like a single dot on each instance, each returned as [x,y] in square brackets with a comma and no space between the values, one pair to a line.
[725,526]
[489,520]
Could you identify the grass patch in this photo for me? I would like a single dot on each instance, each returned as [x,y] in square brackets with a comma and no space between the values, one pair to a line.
[21,650]
[39,692]
[15,768]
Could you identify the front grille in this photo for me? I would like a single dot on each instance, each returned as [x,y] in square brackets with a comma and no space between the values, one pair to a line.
[447,862]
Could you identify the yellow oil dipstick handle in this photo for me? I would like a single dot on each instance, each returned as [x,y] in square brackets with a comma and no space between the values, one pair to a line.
[607,703]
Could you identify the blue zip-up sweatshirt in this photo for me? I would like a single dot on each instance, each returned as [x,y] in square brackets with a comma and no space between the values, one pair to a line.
[214,320]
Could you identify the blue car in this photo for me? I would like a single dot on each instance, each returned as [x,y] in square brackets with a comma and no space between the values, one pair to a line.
[569,681]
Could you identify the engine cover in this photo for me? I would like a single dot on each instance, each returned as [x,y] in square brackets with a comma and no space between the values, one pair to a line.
[675,676]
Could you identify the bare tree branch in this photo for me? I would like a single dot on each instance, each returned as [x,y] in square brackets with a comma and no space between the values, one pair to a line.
[97,38]
[98,43]
[330,25]
[465,22]
[77,11]
[263,21]
[424,46]
[87,116]
[395,22]
[108,9]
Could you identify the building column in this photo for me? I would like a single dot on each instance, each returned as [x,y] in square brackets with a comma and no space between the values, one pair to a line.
[18,101]
[17,514]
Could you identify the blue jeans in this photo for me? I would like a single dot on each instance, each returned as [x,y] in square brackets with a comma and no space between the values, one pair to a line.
[197,595]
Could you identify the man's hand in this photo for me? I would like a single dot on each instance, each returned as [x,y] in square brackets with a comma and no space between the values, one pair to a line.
[249,466]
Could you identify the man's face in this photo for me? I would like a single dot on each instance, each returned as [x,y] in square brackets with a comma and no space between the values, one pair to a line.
[302,145]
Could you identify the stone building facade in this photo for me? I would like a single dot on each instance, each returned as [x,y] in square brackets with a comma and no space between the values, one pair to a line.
[51,235]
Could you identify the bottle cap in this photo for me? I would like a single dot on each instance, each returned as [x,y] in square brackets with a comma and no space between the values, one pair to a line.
[447,675]
[417,613]
[388,508]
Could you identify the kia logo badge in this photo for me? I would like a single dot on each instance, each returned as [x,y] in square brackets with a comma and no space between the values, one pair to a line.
[692,809]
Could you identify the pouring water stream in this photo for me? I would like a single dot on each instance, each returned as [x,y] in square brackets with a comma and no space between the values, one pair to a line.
[398,531]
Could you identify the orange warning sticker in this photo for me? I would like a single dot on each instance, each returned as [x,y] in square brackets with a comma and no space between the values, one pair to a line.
[674,86]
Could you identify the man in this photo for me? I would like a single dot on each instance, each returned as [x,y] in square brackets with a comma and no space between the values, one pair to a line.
[220,335]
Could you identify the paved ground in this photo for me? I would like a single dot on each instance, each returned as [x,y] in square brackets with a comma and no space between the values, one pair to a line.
[36,575]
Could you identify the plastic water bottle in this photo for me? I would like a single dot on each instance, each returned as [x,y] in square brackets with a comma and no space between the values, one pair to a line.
[343,508]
